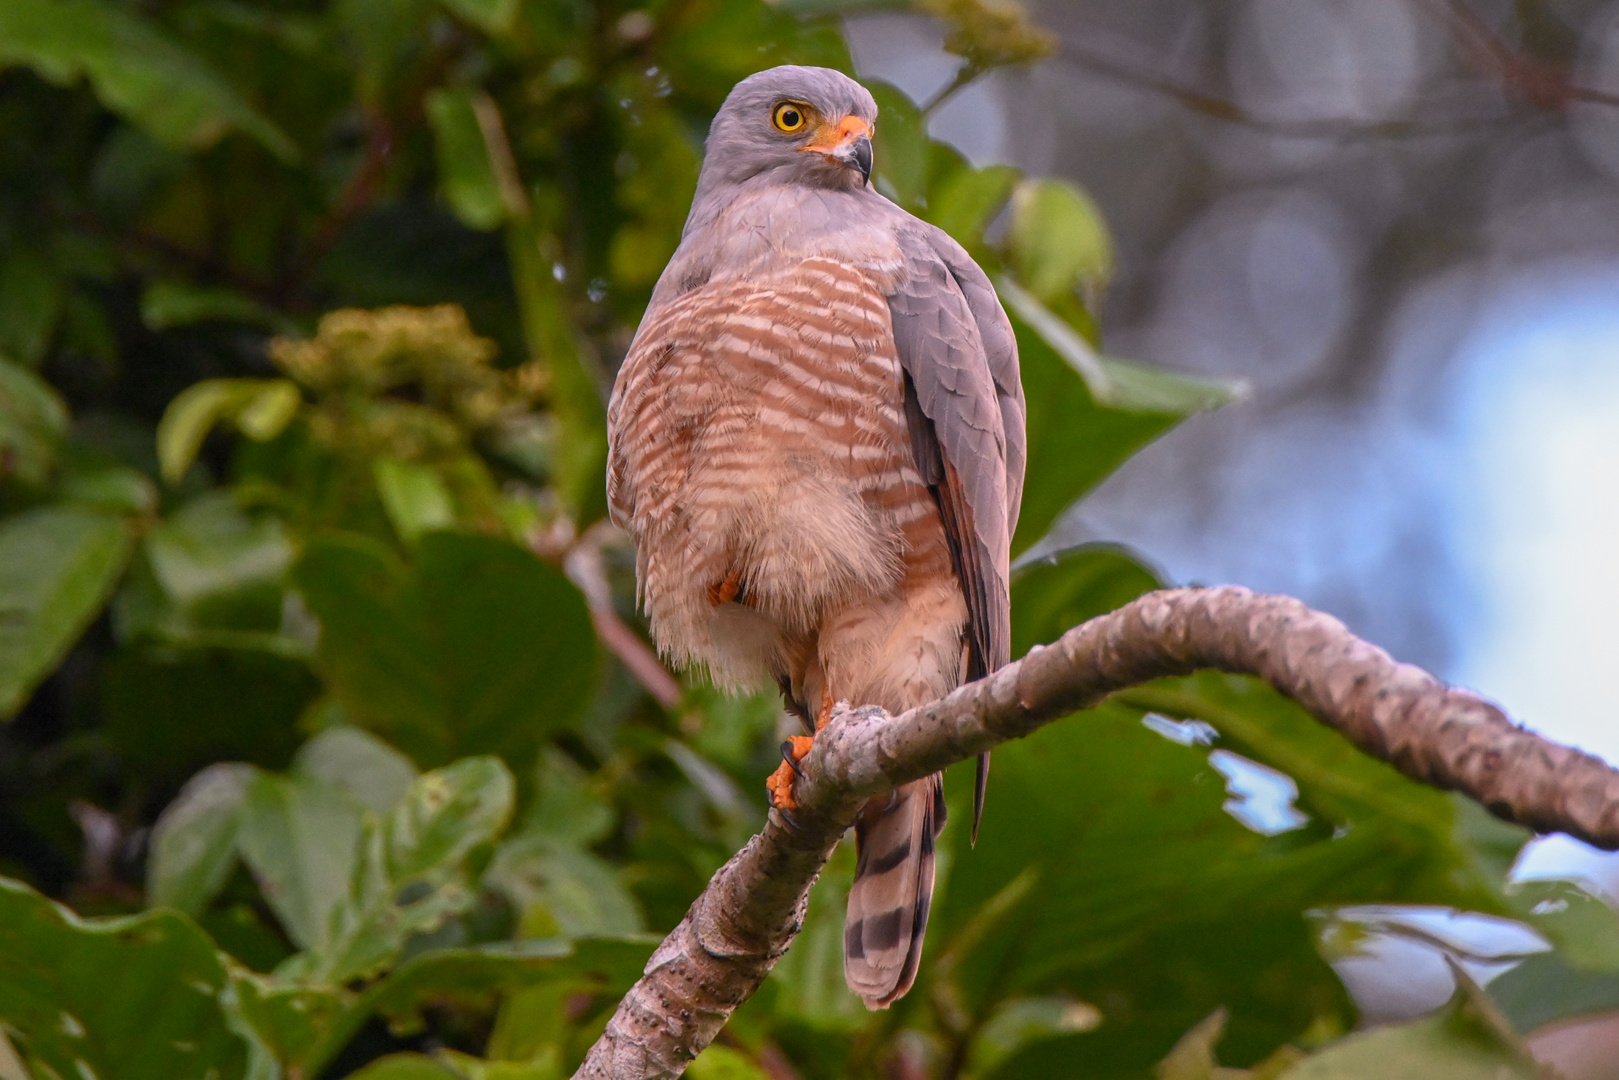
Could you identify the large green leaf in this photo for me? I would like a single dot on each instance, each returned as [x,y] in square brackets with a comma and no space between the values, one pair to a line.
[1057,239]
[136,998]
[1107,870]
[1546,988]
[1054,594]
[407,875]
[301,839]
[1466,1040]
[212,574]
[1086,413]
[193,846]
[900,147]
[478,648]
[57,567]
[136,69]
[467,177]
[368,770]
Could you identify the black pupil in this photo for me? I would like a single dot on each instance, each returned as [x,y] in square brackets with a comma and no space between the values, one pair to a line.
[789,118]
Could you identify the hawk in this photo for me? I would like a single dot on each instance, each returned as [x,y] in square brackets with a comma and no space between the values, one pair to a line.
[817,444]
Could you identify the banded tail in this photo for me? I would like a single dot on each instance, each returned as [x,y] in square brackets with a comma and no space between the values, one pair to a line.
[892,891]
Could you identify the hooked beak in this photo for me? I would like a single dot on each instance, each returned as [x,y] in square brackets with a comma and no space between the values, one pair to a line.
[848,143]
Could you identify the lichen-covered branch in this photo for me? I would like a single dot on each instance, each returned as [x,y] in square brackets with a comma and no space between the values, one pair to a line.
[754,906]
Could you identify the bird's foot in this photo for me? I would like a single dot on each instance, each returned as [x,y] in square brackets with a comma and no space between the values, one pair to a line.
[780,783]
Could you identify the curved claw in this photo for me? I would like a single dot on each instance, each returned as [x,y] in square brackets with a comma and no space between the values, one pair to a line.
[780,783]
[787,756]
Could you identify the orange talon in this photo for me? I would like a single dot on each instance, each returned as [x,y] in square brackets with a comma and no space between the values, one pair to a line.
[780,783]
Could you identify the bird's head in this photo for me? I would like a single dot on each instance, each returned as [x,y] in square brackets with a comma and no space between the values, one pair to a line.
[804,125]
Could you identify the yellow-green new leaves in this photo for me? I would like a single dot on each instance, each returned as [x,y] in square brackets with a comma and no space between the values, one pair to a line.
[1057,239]
[990,33]
[467,174]
[258,408]
[137,70]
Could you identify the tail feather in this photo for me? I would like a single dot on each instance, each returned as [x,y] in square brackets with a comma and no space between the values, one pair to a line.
[892,891]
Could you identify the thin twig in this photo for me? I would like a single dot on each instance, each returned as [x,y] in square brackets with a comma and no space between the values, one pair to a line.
[1541,85]
[585,566]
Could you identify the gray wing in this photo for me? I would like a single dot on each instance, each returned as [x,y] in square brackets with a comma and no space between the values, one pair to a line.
[965,409]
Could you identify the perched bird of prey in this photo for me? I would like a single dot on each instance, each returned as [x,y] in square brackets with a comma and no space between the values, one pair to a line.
[817,443]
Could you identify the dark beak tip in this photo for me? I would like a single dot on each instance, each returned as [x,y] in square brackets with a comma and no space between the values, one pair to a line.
[862,156]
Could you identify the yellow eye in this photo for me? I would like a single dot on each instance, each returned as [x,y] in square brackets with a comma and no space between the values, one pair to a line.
[788,117]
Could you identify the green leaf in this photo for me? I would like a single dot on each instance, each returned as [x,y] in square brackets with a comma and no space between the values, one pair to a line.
[480,648]
[210,548]
[566,807]
[900,147]
[301,839]
[372,773]
[1021,1021]
[136,70]
[137,997]
[213,575]
[965,199]
[167,304]
[1057,592]
[404,1067]
[57,567]
[414,497]
[723,1063]
[1083,421]
[115,489]
[491,16]
[467,177]
[294,1022]
[563,889]
[1057,239]
[193,845]
[1466,1040]
[1584,928]
[32,421]
[32,292]
[410,878]
[1546,987]
[259,408]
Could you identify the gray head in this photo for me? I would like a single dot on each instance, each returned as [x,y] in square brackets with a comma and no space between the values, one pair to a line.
[805,125]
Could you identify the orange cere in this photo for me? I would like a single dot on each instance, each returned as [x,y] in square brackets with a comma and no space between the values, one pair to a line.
[832,136]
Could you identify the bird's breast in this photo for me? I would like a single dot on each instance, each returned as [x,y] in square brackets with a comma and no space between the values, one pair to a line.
[759,449]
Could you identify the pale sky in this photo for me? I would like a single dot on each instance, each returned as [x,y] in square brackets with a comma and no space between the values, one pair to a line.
[1537,524]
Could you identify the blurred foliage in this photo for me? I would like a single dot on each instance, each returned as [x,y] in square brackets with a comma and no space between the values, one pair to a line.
[307,315]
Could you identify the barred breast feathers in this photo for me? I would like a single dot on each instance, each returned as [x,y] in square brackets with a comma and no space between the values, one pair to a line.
[758,438]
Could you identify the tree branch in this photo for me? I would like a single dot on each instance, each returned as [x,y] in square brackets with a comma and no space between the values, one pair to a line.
[754,905]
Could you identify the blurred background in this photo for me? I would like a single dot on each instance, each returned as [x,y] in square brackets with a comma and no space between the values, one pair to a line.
[308,310]
[1397,222]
